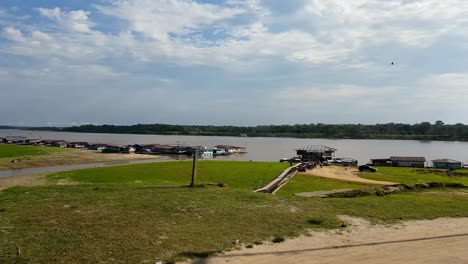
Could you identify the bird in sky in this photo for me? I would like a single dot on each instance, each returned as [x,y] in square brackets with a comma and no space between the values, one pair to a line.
[392,63]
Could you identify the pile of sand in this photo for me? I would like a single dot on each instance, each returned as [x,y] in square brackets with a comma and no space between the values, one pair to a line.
[348,174]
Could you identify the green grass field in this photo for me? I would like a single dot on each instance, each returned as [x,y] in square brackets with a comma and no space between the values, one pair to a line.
[18,151]
[144,213]
[303,183]
[411,176]
[241,175]
[91,224]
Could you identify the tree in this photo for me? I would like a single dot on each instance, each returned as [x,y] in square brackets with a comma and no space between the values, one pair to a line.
[423,128]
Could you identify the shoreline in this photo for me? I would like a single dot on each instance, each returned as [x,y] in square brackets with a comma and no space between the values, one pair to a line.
[415,138]
[70,157]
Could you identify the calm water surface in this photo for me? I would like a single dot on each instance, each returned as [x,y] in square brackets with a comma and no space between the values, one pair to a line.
[272,149]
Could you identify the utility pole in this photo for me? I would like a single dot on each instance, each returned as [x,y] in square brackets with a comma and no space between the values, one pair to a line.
[194,168]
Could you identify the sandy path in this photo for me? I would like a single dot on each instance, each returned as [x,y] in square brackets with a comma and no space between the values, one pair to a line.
[26,180]
[342,173]
[443,240]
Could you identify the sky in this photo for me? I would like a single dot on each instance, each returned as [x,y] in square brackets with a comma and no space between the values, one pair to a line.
[233,62]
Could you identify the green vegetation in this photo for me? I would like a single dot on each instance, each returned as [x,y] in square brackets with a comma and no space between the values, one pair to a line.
[412,175]
[303,183]
[140,214]
[420,131]
[30,154]
[90,224]
[278,239]
[322,222]
[18,151]
[241,175]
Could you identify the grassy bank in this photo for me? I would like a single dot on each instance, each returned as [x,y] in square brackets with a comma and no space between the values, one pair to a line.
[92,224]
[413,175]
[18,151]
[240,175]
[142,213]
[41,156]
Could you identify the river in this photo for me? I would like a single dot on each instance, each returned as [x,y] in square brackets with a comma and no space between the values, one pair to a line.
[272,149]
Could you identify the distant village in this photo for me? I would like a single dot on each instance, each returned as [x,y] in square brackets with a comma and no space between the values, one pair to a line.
[314,153]
[326,155]
[178,149]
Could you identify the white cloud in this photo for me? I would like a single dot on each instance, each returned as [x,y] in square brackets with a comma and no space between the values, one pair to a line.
[77,20]
[173,25]
[13,34]
[51,13]
[158,19]
[360,22]
[321,54]
[334,93]
[38,35]
[445,89]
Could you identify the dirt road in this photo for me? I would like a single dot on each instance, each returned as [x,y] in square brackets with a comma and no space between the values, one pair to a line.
[437,241]
[343,173]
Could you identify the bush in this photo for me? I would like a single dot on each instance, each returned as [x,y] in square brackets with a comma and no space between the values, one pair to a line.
[278,239]
[316,221]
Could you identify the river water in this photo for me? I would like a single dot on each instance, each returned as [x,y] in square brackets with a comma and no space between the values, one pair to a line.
[272,149]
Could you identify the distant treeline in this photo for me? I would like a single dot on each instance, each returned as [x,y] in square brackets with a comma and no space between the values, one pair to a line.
[420,131]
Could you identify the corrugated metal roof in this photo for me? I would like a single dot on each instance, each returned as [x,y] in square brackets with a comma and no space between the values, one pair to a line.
[229,147]
[381,160]
[446,161]
[113,146]
[53,140]
[317,149]
[408,159]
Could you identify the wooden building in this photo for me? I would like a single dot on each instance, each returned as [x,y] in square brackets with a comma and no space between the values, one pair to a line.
[316,153]
[54,143]
[381,162]
[447,164]
[111,148]
[394,161]
[97,146]
[414,162]
[15,140]
[77,145]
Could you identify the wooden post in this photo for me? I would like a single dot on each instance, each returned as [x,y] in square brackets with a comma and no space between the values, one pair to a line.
[194,168]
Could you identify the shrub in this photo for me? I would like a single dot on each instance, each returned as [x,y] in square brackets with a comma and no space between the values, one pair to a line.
[278,239]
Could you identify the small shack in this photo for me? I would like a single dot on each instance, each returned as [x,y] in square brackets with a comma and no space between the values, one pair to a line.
[447,164]
[77,145]
[414,162]
[111,148]
[54,143]
[381,162]
[316,153]
[15,140]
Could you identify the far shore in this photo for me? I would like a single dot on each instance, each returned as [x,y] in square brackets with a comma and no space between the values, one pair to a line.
[265,135]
